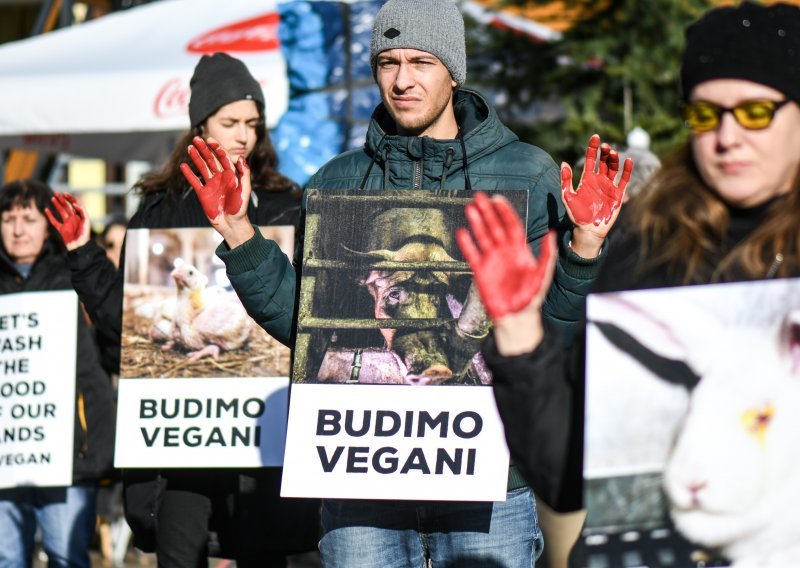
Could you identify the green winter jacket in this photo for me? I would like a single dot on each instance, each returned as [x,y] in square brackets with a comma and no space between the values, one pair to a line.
[494,158]
[487,156]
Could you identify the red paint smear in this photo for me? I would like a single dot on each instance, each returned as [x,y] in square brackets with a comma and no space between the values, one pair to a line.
[256,34]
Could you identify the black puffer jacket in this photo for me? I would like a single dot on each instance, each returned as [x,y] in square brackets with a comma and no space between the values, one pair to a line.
[261,522]
[540,395]
[94,429]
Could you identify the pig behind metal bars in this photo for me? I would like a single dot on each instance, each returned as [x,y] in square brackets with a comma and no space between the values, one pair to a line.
[413,280]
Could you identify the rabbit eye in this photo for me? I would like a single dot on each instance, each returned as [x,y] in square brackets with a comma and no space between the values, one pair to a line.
[757,421]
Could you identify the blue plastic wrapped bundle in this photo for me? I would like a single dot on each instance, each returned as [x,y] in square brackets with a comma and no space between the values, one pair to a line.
[331,90]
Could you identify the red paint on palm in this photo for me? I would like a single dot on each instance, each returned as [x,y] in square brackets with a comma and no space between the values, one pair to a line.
[221,191]
[72,216]
[506,273]
[233,195]
[597,196]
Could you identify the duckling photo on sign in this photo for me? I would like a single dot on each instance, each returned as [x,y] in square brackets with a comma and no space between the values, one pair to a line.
[181,317]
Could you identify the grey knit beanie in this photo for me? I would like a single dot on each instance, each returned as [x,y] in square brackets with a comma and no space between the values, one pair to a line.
[434,26]
[220,79]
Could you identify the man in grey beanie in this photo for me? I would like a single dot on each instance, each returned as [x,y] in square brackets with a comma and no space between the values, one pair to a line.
[428,133]
[431,133]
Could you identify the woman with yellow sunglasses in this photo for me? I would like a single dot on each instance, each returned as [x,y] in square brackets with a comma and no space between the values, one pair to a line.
[726,207]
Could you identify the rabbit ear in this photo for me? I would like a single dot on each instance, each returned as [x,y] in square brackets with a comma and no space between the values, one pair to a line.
[670,340]
[672,370]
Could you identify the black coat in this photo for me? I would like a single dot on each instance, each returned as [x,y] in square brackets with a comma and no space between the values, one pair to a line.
[249,517]
[94,426]
[540,395]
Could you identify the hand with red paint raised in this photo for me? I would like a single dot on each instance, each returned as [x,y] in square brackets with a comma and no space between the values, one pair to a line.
[595,205]
[512,283]
[72,222]
[224,190]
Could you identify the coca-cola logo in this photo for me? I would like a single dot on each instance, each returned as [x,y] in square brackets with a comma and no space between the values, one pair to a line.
[172,99]
[255,34]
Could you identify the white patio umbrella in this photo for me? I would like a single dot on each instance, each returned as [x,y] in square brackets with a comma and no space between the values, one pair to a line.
[117,87]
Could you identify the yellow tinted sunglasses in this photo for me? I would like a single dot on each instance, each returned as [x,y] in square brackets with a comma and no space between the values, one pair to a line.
[703,116]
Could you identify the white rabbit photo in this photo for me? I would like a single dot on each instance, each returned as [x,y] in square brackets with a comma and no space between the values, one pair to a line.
[693,421]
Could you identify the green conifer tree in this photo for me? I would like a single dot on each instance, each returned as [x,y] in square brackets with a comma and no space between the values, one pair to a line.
[615,68]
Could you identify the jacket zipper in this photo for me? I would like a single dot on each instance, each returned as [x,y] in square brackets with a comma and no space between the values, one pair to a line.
[776,264]
[417,174]
[449,155]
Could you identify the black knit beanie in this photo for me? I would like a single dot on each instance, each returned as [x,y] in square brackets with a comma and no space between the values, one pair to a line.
[750,41]
[220,79]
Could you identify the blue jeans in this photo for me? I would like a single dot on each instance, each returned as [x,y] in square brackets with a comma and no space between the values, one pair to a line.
[66,516]
[406,534]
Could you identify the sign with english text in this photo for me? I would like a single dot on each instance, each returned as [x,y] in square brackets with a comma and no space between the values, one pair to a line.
[38,338]
[395,442]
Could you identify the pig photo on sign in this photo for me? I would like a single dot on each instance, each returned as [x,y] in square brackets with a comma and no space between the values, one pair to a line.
[180,316]
[386,296]
[707,379]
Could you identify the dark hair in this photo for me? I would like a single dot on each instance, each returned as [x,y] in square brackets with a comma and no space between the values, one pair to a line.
[113,222]
[23,192]
[263,164]
[682,222]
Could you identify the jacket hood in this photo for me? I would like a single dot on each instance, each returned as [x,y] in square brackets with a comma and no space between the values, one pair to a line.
[480,127]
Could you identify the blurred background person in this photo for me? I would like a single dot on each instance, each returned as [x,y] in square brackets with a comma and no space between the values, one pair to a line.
[113,533]
[32,260]
[112,237]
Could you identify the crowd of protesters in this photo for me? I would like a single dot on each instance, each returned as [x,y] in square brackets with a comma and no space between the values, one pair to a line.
[721,209]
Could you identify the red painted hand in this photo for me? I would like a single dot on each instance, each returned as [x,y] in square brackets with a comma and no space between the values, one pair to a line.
[508,276]
[598,197]
[224,191]
[73,225]
[220,192]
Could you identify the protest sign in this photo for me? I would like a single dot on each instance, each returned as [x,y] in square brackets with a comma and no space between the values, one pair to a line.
[387,301]
[691,435]
[202,385]
[391,441]
[38,338]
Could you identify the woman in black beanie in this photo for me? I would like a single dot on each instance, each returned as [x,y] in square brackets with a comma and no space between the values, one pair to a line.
[173,511]
[724,208]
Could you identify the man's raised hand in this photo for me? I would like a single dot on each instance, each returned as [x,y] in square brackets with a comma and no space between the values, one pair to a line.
[594,206]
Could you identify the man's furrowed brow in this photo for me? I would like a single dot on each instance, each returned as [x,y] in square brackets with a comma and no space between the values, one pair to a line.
[423,58]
